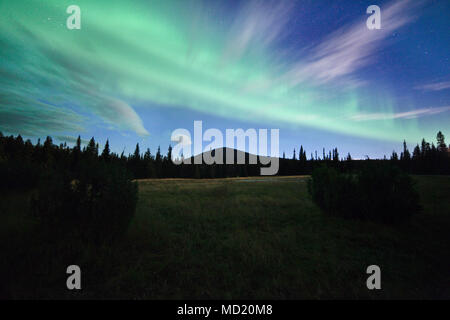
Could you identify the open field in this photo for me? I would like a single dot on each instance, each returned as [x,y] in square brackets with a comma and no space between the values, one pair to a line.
[238,238]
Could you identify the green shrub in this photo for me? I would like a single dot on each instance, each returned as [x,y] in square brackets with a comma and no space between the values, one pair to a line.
[377,192]
[95,206]
[17,175]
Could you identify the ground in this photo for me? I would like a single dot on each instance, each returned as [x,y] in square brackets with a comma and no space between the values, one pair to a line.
[257,238]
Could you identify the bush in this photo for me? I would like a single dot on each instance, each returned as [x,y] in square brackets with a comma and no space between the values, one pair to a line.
[377,192]
[95,206]
[17,175]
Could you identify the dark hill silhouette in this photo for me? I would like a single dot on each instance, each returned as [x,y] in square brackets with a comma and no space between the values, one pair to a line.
[235,156]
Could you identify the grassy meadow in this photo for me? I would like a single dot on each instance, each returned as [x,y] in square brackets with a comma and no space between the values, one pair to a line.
[253,238]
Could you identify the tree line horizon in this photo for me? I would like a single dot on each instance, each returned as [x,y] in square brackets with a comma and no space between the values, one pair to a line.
[17,155]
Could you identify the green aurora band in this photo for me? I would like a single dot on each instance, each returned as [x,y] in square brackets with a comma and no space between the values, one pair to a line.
[165,53]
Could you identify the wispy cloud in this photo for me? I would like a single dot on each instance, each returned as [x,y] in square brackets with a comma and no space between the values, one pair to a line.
[34,118]
[258,24]
[352,47]
[63,81]
[436,86]
[120,114]
[399,115]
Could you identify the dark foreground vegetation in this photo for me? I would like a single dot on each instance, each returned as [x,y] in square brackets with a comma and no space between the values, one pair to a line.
[377,192]
[236,238]
[74,193]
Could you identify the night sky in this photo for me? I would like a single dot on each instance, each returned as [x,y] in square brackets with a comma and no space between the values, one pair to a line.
[137,70]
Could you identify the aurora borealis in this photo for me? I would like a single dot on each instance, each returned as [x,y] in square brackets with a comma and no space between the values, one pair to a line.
[136,70]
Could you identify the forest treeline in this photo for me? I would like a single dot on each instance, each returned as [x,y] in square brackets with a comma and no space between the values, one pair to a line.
[74,193]
[23,164]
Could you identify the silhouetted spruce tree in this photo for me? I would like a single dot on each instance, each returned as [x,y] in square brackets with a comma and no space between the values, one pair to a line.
[302,161]
[137,153]
[135,163]
[106,152]
[405,155]
[394,156]
[47,153]
[292,165]
[158,163]
[149,164]
[168,164]
[148,155]
[441,146]
[91,149]
[78,145]
[76,155]
[425,149]
[48,144]
[442,155]
[335,155]
[416,153]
